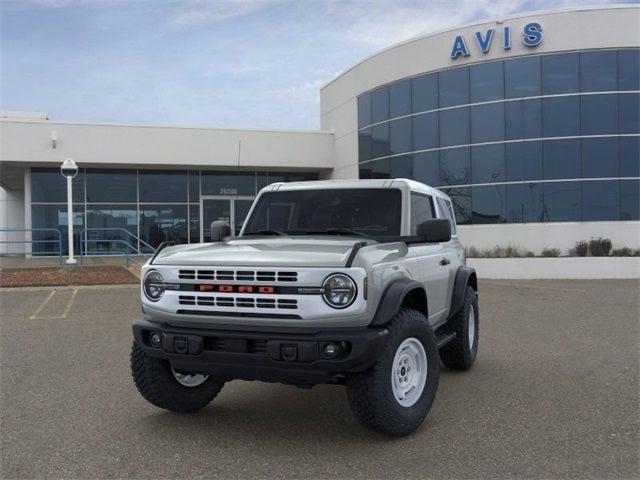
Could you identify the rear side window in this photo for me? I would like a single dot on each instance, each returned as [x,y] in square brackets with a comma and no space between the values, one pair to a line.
[421,211]
[447,212]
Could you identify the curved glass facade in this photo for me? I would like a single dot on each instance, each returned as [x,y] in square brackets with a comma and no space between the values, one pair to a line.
[544,138]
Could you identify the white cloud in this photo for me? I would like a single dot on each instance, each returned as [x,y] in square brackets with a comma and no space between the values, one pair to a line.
[190,13]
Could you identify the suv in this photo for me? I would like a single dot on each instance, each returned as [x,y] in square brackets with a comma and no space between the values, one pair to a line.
[360,283]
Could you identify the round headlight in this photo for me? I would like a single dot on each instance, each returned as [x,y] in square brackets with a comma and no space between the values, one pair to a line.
[153,285]
[339,290]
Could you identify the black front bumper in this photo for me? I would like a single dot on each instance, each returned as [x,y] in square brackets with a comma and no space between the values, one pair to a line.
[292,357]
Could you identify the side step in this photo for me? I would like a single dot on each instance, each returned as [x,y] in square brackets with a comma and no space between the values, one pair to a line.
[444,337]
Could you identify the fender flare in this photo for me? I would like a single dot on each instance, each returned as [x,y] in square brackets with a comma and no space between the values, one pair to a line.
[464,276]
[392,298]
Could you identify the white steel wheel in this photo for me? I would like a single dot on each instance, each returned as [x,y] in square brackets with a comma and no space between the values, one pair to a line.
[472,327]
[409,372]
[189,379]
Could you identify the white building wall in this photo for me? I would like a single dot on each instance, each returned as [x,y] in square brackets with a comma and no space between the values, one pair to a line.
[11,217]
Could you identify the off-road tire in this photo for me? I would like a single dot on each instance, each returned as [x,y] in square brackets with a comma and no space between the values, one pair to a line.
[370,393]
[457,355]
[156,383]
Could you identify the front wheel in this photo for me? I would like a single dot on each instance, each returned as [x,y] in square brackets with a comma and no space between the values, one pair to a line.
[170,389]
[394,395]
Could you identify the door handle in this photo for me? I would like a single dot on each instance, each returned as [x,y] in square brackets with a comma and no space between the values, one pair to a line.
[445,261]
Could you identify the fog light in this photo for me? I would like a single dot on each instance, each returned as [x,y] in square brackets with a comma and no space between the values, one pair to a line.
[330,350]
[155,340]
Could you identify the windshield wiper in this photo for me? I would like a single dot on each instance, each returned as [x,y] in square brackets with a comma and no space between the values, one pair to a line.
[266,232]
[337,231]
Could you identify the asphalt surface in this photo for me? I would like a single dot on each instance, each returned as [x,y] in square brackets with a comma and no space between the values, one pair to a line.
[553,394]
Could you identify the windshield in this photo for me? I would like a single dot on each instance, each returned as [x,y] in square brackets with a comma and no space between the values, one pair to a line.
[368,212]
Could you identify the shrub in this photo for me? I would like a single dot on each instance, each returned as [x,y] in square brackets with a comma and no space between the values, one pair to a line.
[600,247]
[581,248]
[625,252]
[550,252]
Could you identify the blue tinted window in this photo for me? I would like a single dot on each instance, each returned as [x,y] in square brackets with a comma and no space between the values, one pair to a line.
[487,164]
[488,205]
[523,161]
[380,140]
[461,203]
[630,200]
[400,135]
[487,81]
[454,166]
[561,159]
[560,73]
[426,168]
[49,186]
[401,167]
[379,105]
[365,171]
[365,147]
[522,77]
[380,168]
[630,156]
[112,186]
[53,216]
[561,116]
[487,123]
[400,98]
[454,127]
[113,217]
[424,92]
[524,203]
[600,157]
[600,200]
[523,119]
[629,69]
[425,131]
[163,186]
[629,112]
[162,223]
[599,71]
[194,186]
[562,201]
[364,110]
[194,223]
[454,87]
[599,114]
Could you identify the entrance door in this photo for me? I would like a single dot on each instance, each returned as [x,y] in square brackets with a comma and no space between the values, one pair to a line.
[232,210]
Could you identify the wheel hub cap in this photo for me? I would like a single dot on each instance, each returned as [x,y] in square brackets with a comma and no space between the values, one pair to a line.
[472,327]
[409,372]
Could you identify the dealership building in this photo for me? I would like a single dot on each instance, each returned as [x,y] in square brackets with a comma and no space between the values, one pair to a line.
[529,123]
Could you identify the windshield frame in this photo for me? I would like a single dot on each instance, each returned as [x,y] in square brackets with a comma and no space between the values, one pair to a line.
[330,231]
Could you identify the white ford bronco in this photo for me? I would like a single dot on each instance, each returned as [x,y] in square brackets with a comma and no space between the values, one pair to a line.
[360,283]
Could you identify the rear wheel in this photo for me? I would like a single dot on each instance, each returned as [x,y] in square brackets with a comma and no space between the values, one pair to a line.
[460,353]
[170,389]
[394,395]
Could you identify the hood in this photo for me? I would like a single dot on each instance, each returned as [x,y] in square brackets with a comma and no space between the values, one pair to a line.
[305,251]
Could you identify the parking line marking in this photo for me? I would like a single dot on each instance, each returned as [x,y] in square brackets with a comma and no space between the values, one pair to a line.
[42,305]
[69,303]
[528,285]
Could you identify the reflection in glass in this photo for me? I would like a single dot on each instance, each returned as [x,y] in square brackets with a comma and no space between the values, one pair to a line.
[561,116]
[112,186]
[523,119]
[629,69]
[111,220]
[401,167]
[379,104]
[424,93]
[453,87]
[561,159]
[488,204]
[194,186]
[524,203]
[364,110]
[49,186]
[461,201]
[163,223]
[454,166]
[629,113]
[523,161]
[54,216]
[454,127]
[400,135]
[562,201]
[600,157]
[194,223]
[630,200]
[163,186]
[600,200]
[522,77]
[426,168]
[400,99]
[380,140]
[425,131]
[487,123]
[487,164]
[487,81]
[365,147]
[630,157]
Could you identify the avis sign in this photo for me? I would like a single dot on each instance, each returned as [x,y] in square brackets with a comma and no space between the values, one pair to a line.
[531,37]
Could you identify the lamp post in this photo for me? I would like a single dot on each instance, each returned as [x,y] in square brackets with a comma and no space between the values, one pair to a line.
[69,169]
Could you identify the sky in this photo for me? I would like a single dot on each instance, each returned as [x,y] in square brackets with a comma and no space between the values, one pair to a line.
[227,63]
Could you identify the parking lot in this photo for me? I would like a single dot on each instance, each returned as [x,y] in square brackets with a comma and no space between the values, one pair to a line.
[554,393]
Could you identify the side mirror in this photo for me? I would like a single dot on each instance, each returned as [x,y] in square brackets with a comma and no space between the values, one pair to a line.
[219,230]
[435,231]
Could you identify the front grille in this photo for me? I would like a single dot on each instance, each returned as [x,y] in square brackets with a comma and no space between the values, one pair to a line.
[237,275]
[240,345]
[239,302]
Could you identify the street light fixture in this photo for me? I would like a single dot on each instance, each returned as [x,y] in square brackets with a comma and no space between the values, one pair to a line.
[69,169]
